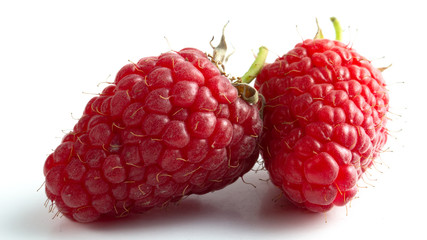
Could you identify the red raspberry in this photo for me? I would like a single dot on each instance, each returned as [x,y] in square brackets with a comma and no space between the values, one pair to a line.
[169,126]
[324,122]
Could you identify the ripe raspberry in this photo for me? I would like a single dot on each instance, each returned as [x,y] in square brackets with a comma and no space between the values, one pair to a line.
[324,122]
[168,127]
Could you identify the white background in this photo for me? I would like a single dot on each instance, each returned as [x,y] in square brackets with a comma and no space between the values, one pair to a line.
[51,52]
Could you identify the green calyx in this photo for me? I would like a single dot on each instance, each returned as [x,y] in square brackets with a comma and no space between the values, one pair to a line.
[319,34]
[246,92]
[337,27]
[219,57]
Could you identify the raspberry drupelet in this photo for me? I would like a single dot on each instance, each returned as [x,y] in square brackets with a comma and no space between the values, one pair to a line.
[324,122]
[169,126]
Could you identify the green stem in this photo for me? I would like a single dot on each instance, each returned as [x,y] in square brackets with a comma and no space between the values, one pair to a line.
[256,65]
[338,29]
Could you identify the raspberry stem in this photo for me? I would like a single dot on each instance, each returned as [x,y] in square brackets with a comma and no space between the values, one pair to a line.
[337,27]
[256,65]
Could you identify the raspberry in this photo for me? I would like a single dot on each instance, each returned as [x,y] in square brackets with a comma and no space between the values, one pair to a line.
[169,126]
[324,122]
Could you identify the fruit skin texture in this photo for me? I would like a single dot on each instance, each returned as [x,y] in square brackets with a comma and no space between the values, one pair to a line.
[324,122]
[169,126]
